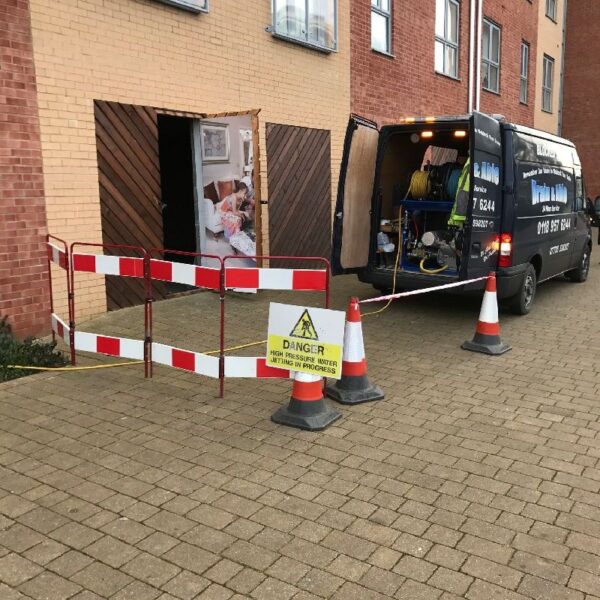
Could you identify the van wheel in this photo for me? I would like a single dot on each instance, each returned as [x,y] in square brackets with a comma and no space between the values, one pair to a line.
[580,274]
[521,303]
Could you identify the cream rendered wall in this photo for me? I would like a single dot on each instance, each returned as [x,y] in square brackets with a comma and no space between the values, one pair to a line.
[144,52]
[550,42]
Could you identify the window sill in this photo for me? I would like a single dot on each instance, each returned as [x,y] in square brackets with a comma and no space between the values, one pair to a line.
[451,77]
[382,53]
[548,112]
[553,20]
[494,92]
[183,5]
[523,103]
[299,42]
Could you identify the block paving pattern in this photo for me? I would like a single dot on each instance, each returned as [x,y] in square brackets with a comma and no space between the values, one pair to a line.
[477,477]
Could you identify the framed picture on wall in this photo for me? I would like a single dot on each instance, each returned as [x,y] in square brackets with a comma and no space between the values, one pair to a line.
[215,142]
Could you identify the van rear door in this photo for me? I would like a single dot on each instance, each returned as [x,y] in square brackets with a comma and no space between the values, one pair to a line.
[352,219]
[482,226]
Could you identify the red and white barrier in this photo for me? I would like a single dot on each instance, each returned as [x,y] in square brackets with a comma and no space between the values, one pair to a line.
[202,277]
[108,265]
[276,279]
[253,367]
[112,346]
[57,256]
[195,362]
[60,328]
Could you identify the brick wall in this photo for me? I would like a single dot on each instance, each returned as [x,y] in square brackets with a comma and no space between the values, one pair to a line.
[385,88]
[146,53]
[581,117]
[23,268]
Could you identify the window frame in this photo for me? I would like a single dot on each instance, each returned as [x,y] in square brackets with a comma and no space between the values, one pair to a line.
[388,16]
[552,16]
[189,5]
[545,89]
[300,41]
[489,61]
[446,42]
[524,78]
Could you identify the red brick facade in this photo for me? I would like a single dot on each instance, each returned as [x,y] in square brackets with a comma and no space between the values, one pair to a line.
[385,88]
[23,268]
[581,116]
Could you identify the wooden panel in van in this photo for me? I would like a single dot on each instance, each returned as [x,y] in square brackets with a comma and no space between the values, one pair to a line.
[358,196]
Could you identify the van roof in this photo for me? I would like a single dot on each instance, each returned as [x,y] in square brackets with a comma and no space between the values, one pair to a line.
[539,133]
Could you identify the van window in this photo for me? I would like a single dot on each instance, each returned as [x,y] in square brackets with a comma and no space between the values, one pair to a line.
[579,194]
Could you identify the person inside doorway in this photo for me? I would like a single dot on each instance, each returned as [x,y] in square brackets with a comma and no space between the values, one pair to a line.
[233,212]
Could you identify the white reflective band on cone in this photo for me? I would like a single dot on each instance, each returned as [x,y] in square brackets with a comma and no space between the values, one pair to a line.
[489,308]
[354,349]
[306,377]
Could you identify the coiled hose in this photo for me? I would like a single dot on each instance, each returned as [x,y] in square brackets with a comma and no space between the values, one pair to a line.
[419,185]
[452,186]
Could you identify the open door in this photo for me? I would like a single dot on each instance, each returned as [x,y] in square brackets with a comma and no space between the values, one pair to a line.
[482,227]
[352,219]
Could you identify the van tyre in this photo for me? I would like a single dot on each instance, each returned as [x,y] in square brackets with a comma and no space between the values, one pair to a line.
[580,274]
[521,303]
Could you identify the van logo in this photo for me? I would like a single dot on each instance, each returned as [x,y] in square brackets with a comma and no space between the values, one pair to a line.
[542,193]
[547,151]
[487,171]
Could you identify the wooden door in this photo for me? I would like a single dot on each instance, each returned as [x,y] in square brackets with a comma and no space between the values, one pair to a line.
[299,177]
[130,192]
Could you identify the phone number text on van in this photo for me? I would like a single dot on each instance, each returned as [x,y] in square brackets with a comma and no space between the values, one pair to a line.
[553,226]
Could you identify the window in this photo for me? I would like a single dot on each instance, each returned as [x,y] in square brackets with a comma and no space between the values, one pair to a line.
[446,37]
[524,71]
[381,25]
[490,63]
[547,82]
[551,9]
[192,5]
[579,193]
[309,22]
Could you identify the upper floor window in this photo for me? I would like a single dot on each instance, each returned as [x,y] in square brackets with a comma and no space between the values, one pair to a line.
[524,71]
[551,9]
[381,25]
[309,22]
[193,5]
[490,61]
[547,83]
[447,15]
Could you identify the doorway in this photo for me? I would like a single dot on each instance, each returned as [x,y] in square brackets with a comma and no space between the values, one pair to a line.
[177,185]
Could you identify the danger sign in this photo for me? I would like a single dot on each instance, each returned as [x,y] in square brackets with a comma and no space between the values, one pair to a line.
[304,339]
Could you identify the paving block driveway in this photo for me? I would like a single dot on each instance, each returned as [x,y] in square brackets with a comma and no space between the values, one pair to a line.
[477,477]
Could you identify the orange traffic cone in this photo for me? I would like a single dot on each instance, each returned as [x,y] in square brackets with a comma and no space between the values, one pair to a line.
[307,409]
[487,333]
[354,386]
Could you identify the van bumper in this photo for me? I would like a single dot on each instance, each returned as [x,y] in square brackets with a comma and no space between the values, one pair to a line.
[384,280]
[509,280]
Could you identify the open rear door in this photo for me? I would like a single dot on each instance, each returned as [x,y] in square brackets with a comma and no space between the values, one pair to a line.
[480,247]
[352,219]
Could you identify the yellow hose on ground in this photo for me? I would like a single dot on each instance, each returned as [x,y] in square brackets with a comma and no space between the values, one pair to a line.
[110,366]
[431,271]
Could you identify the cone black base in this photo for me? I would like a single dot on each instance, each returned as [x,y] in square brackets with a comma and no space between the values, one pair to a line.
[311,416]
[495,347]
[353,390]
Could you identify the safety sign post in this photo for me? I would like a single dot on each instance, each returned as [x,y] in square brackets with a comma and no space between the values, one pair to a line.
[309,340]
